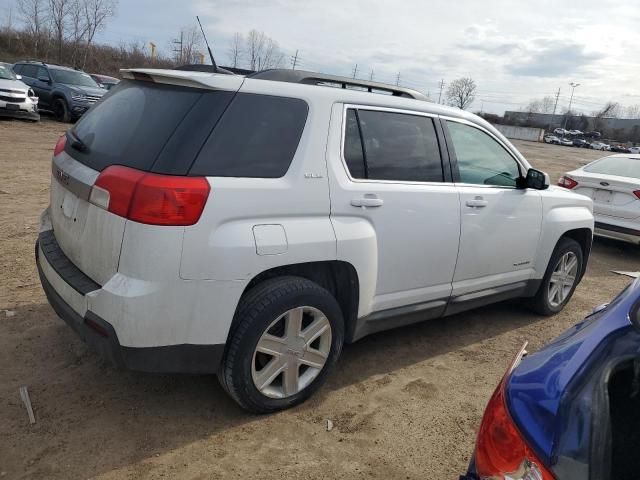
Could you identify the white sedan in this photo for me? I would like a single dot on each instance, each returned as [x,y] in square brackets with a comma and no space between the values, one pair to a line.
[613,183]
[634,149]
[600,146]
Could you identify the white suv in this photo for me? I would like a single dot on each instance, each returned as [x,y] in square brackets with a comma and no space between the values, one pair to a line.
[249,226]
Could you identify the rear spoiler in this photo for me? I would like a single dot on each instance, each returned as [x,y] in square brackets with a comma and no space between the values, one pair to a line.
[184,78]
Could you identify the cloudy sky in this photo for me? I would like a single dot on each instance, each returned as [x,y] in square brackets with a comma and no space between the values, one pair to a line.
[514,50]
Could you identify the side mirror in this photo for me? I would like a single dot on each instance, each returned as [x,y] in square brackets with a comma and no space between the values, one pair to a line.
[19,77]
[44,79]
[536,179]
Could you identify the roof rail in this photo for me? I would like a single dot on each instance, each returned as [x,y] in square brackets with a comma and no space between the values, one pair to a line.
[314,78]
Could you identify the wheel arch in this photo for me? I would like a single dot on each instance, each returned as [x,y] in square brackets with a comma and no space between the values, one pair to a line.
[338,277]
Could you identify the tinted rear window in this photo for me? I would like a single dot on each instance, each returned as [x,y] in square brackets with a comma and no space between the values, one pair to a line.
[148,126]
[621,166]
[257,137]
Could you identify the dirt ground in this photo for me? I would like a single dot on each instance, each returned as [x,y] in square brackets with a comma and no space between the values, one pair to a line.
[405,403]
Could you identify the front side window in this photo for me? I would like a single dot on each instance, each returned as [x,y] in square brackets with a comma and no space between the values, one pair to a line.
[394,146]
[42,73]
[481,159]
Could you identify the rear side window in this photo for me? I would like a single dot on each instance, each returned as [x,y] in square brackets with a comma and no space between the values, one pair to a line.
[17,68]
[397,146]
[30,71]
[140,123]
[42,72]
[257,137]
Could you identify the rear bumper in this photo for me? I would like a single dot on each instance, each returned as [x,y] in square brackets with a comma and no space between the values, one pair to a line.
[102,337]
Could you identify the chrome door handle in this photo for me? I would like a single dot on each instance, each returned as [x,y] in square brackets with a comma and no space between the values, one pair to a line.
[477,202]
[368,200]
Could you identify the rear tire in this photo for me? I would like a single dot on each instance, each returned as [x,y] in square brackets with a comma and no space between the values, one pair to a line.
[61,111]
[271,365]
[564,266]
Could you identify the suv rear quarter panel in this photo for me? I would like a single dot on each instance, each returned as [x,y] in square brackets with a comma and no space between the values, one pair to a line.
[223,246]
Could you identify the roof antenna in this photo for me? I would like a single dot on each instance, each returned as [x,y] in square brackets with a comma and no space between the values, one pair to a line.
[213,61]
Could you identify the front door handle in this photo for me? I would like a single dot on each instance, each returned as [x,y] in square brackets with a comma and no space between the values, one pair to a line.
[368,200]
[477,202]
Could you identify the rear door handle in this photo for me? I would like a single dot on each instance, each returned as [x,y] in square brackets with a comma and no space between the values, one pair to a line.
[477,202]
[368,200]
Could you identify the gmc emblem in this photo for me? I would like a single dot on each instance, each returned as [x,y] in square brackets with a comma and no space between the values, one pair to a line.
[62,177]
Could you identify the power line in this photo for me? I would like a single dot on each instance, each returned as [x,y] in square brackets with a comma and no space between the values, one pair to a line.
[294,61]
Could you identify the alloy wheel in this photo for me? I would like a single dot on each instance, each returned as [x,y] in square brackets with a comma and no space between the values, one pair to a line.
[291,352]
[563,278]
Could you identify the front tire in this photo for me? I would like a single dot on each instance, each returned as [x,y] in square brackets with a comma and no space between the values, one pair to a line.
[286,337]
[61,110]
[560,279]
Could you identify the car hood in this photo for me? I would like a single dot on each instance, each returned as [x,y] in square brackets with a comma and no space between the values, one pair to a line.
[97,91]
[13,85]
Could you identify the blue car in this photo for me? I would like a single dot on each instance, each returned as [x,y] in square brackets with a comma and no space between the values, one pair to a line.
[572,409]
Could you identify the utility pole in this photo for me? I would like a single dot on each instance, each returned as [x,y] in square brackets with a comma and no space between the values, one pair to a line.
[179,50]
[398,79]
[371,75]
[441,87]
[294,61]
[355,70]
[553,118]
[573,86]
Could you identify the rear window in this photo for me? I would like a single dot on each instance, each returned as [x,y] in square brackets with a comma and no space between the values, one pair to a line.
[621,166]
[148,126]
[257,137]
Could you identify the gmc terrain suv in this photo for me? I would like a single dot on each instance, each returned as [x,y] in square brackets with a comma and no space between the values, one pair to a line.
[249,226]
[68,93]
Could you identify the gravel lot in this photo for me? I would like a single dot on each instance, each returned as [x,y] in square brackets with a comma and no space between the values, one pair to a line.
[405,403]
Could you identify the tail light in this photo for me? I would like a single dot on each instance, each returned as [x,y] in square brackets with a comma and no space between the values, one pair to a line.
[62,141]
[637,193]
[567,182]
[149,197]
[501,451]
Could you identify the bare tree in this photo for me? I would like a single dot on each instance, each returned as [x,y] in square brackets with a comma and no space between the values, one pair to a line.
[632,111]
[187,49]
[535,106]
[58,15]
[610,110]
[273,56]
[78,27]
[236,49]
[33,14]
[461,92]
[96,14]
[255,47]
[542,105]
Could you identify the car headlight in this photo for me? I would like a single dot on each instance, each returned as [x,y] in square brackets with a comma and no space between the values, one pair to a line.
[79,96]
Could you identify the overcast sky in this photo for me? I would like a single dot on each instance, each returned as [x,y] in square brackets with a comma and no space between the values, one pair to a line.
[514,50]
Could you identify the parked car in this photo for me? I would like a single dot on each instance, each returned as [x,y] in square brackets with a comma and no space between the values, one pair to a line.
[68,93]
[567,142]
[575,132]
[172,242]
[580,142]
[16,98]
[635,150]
[600,146]
[105,81]
[613,182]
[552,139]
[619,149]
[593,134]
[571,410]
[561,131]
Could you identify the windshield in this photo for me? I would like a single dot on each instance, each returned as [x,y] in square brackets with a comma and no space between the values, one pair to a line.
[620,166]
[6,73]
[71,77]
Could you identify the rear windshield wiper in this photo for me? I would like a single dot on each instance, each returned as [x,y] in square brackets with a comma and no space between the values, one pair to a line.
[76,143]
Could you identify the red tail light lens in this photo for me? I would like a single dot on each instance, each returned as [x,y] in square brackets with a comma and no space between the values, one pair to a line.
[637,193]
[567,182]
[62,141]
[501,451]
[151,198]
